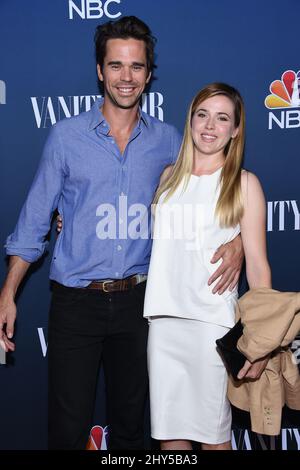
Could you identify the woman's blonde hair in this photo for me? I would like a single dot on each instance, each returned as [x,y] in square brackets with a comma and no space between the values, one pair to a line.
[229,208]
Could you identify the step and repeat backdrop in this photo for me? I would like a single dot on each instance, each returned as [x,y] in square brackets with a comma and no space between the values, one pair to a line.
[48,73]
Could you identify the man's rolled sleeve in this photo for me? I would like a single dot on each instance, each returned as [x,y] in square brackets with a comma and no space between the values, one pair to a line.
[28,254]
[28,239]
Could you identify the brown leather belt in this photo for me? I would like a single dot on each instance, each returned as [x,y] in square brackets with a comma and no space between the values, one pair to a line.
[118,285]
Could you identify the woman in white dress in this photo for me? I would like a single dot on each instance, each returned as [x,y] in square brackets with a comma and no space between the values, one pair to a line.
[203,201]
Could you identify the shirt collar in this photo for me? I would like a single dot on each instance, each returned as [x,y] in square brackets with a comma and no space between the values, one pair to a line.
[143,117]
[97,118]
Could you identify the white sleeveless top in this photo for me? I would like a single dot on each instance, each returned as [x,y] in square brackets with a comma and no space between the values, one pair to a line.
[186,235]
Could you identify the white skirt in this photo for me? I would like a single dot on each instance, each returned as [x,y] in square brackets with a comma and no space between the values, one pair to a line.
[188,381]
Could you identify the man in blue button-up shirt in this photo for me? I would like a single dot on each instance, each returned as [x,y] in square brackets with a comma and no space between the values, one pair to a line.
[85,175]
[100,169]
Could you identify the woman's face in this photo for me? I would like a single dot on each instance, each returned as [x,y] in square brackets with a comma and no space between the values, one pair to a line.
[213,125]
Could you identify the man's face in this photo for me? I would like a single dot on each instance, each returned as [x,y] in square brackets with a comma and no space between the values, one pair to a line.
[124,73]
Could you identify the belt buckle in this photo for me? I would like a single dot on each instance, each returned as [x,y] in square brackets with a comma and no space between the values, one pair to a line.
[106,282]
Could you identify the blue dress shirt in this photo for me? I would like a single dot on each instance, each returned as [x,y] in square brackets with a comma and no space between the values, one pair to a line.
[103,196]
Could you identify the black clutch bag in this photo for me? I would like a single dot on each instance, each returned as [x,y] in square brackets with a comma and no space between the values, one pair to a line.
[227,346]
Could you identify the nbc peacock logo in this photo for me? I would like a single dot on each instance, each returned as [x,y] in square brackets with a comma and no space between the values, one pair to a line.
[285,93]
[98,438]
[285,96]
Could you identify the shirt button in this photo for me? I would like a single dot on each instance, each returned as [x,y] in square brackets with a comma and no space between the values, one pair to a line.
[112,141]
[122,194]
[117,274]
[121,221]
[119,248]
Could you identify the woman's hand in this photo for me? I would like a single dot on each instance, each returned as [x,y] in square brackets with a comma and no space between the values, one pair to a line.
[253,370]
[59,223]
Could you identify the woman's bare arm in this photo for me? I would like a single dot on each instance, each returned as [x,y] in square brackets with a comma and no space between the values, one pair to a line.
[253,231]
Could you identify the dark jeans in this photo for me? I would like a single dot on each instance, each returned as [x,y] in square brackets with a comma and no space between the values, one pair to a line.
[86,328]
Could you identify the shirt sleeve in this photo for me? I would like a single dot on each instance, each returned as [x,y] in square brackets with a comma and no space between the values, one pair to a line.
[176,144]
[28,239]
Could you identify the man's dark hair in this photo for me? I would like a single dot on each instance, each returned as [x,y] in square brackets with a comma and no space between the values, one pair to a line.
[124,28]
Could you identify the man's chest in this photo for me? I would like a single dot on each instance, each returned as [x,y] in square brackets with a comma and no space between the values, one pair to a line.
[102,162]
